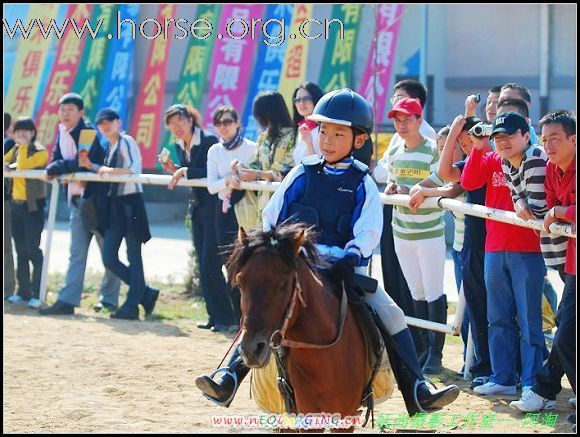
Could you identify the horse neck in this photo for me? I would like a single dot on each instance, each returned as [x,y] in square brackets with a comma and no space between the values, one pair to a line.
[317,322]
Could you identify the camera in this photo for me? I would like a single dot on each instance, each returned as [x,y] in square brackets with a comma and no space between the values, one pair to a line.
[481,129]
[478,98]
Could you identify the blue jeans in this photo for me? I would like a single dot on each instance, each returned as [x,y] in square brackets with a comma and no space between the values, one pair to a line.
[80,239]
[458,262]
[514,282]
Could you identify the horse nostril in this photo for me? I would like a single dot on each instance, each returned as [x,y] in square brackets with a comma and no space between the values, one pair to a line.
[260,348]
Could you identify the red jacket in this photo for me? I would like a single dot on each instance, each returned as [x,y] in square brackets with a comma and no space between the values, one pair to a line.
[561,191]
[481,169]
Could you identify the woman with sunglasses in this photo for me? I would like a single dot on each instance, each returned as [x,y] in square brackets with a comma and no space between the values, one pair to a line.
[223,181]
[275,146]
[192,146]
[305,98]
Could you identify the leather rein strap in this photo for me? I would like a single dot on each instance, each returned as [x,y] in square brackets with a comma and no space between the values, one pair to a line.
[278,337]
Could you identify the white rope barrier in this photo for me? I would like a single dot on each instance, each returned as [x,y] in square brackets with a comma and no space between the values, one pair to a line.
[395,199]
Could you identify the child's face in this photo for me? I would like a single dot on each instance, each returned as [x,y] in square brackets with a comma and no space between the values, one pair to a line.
[441,142]
[109,127]
[22,136]
[466,142]
[336,141]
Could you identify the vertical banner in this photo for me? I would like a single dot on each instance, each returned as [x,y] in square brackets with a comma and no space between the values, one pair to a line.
[195,67]
[268,64]
[387,24]
[294,68]
[60,25]
[336,71]
[148,115]
[232,58]
[89,78]
[113,92]
[11,14]
[29,63]
[62,75]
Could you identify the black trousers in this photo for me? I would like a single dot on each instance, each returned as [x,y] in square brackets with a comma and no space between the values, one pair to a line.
[213,284]
[476,302]
[393,278]
[562,359]
[26,230]
[226,228]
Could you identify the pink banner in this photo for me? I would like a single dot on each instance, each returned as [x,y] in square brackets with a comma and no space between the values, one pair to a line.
[232,58]
[148,116]
[387,24]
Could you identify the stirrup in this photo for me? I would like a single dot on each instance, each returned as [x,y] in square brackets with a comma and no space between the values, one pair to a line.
[415,394]
[229,400]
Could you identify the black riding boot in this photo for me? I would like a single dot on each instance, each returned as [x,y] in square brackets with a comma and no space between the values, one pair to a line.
[418,397]
[437,313]
[422,312]
[223,390]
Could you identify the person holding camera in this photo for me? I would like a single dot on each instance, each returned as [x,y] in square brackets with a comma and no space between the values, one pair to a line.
[514,268]
[470,132]
[473,100]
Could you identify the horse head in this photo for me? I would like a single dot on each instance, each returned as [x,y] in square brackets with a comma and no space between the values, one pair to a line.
[264,264]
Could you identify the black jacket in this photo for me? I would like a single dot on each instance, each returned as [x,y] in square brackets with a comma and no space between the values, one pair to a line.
[201,200]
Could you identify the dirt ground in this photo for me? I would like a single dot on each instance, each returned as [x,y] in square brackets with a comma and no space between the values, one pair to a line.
[87,373]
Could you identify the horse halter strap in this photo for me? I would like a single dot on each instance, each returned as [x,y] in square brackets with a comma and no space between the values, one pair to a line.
[278,337]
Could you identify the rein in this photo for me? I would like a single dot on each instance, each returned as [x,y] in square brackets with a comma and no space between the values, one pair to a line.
[278,337]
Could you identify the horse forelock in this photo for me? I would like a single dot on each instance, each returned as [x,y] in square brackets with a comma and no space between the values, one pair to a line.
[280,240]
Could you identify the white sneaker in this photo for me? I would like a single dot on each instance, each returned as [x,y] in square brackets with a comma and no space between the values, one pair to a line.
[492,389]
[34,303]
[15,298]
[531,401]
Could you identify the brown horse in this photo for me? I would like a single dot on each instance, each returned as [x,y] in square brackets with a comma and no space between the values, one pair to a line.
[285,301]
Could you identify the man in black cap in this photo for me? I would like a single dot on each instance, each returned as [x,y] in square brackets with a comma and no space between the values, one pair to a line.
[65,159]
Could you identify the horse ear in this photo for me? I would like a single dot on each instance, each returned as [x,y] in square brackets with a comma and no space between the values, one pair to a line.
[242,236]
[300,239]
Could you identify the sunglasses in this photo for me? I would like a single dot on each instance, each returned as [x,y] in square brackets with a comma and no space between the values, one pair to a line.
[227,122]
[302,99]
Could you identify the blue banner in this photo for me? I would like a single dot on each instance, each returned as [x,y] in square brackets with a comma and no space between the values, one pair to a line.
[268,64]
[115,88]
[11,13]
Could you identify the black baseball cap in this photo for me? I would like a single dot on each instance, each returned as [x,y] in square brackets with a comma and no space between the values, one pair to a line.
[107,114]
[509,122]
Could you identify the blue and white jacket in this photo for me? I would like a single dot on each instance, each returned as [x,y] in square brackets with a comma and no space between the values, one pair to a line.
[341,200]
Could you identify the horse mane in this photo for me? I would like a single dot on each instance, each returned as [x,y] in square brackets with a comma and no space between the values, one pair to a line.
[280,238]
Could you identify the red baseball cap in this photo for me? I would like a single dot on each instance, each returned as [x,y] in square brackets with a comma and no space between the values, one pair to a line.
[407,106]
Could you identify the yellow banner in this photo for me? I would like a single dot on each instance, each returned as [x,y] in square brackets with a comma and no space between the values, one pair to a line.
[294,67]
[29,63]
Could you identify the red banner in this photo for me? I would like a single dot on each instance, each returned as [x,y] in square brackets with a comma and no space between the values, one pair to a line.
[148,116]
[65,68]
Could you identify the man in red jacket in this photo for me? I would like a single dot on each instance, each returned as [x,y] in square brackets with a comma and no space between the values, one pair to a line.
[514,269]
[559,138]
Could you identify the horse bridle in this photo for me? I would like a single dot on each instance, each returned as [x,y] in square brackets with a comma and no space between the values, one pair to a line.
[278,337]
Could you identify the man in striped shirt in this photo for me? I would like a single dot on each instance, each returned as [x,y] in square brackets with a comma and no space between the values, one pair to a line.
[418,236]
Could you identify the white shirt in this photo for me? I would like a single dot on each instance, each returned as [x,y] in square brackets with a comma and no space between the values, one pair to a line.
[128,156]
[301,150]
[381,170]
[218,164]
